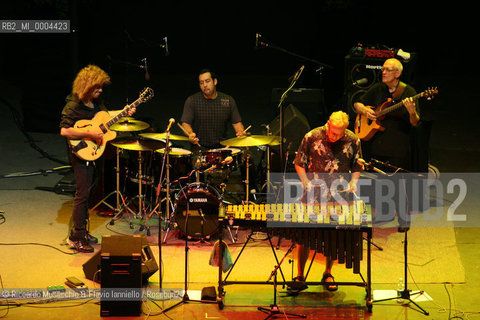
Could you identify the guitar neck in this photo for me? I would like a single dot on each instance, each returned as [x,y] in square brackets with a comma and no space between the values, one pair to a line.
[397,105]
[123,113]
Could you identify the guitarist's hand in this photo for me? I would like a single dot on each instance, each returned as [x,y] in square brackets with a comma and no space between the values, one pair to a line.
[131,111]
[409,103]
[370,113]
[96,136]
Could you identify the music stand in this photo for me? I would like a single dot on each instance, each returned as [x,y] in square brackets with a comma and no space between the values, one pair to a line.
[406,293]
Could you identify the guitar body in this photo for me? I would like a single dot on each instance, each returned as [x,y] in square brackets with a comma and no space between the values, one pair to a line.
[89,149]
[365,128]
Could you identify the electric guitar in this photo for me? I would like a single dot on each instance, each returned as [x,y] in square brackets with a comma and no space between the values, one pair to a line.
[365,128]
[91,149]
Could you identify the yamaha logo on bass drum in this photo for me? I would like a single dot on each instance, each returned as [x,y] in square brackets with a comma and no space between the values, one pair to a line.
[203,200]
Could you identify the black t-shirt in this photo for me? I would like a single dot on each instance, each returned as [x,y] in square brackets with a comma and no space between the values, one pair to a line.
[395,140]
[209,117]
[75,110]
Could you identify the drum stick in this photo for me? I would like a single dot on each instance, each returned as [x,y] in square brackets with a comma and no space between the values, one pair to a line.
[245,131]
[186,133]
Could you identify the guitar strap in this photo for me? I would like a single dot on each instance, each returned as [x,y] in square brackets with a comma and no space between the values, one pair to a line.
[399,91]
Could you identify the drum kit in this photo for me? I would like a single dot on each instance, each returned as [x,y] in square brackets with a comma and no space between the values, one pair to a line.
[198,200]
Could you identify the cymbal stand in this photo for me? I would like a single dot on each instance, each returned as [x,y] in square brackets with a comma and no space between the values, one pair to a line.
[247,181]
[267,183]
[119,207]
[167,216]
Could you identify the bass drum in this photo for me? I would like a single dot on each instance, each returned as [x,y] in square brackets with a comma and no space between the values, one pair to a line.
[201,202]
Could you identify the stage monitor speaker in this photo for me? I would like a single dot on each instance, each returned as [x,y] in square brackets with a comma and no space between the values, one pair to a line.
[121,282]
[92,268]
[370,68]
[311,102]
[295,126]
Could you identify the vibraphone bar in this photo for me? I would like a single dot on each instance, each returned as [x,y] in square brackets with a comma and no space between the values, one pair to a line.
[333,229]
[354,213]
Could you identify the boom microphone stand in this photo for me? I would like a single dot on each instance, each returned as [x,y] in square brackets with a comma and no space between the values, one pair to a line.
[405,294]
[186,298]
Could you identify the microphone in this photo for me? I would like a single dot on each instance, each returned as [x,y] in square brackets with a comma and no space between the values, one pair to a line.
[147,75]
[360,82]
[369,165]
[363,163]
[167,53]
[299,72]
[170,122]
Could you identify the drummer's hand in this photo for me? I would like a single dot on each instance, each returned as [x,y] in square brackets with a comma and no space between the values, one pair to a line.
[131,111]
[240,133]
[193,138]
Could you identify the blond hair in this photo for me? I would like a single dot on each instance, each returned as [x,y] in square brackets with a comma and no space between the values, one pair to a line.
[87,79]
[338,119]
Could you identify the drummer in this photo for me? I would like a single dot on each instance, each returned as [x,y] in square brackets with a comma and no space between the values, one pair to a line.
[206,114]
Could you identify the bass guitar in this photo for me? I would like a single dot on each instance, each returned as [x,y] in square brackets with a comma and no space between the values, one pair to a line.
[366,128]
[90,149]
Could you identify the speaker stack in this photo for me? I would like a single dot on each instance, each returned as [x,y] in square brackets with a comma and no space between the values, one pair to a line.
[367,64]
[121,266]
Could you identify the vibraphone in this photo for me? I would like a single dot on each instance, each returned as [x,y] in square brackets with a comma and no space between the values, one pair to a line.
[333,229]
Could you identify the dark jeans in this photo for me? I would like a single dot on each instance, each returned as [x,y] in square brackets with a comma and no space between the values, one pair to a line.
[86,181]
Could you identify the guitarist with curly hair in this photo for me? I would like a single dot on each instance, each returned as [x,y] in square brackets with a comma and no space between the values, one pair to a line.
[83,104]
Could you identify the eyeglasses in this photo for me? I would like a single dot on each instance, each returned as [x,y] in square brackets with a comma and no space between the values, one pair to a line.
[388,69]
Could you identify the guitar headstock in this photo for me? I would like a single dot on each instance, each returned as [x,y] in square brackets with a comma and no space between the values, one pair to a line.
[430,92]
[146,94]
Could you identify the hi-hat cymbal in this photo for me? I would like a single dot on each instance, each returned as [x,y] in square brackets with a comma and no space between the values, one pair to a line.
[250,141]
[162,136]
[131,143]
[129,125]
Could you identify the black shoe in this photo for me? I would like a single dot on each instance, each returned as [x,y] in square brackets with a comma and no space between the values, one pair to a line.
[91,239]
[297,286]
[80,245]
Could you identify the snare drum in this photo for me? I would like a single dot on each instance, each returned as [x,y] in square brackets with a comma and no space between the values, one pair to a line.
[216,158]
[201,202]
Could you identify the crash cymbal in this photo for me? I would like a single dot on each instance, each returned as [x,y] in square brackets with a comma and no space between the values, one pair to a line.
[250,141]
[162,136]
[132,143]
[129,125]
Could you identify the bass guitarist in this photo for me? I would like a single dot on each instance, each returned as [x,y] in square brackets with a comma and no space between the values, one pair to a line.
[82,104]
[393,144]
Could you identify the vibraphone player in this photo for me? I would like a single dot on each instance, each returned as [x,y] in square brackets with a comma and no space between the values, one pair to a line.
[326,151]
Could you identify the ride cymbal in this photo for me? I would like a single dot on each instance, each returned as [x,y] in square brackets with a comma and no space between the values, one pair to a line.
[251,141]
[162,136]
[132,143]
[129,125]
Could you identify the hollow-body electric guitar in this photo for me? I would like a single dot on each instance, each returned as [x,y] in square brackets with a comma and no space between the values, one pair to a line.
[365,128]
[90,149]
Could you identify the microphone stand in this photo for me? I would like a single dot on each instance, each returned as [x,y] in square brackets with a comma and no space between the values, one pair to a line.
[262,43]
[405,294]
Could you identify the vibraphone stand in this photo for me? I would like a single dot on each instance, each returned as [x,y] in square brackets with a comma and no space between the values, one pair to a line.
[274,309]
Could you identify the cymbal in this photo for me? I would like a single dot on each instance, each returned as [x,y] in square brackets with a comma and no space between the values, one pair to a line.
[250,141]
[131,143]
[129,125]
[162,136]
